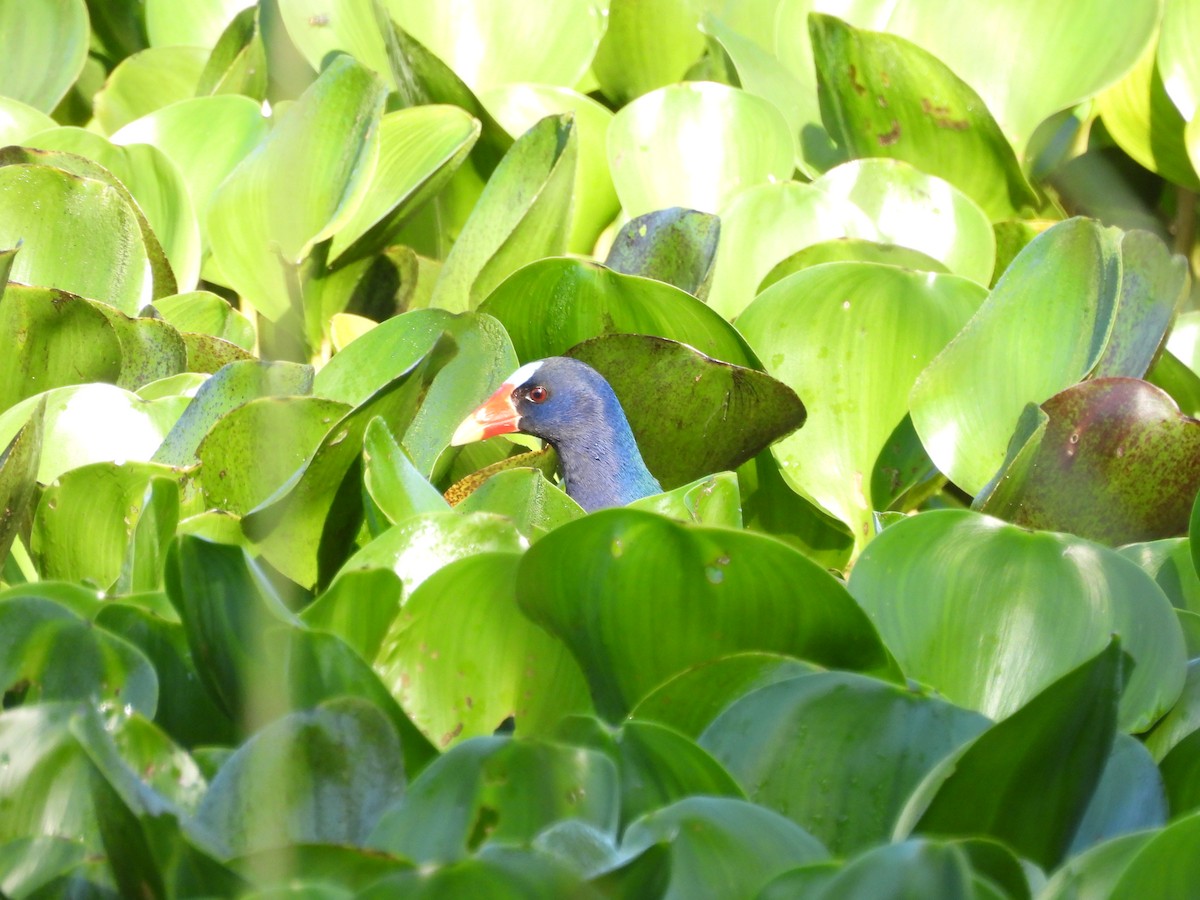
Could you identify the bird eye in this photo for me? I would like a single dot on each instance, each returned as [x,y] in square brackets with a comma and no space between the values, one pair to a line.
[538,394]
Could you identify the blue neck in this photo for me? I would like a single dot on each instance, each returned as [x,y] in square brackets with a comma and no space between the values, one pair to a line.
[603,467]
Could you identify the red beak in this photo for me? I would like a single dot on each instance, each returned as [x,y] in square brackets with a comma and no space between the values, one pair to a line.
[496,416]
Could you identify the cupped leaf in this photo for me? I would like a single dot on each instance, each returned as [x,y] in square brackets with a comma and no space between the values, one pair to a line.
[391,479]
[198,25]
[1129,797]
[646,46]
[701,415]
[203,312]
[881,323]
[1044,327]
[913,868]
[18,479]
[641,576]
[1183,718]
[851,250]
[30,863]
[949,612]
[419,150]
[523,214]
[147,81]
[299,186]
[1164,865]
[551,305]
[461,657]
[56,30]
[527,498]
[888,97]
[836,753]
[321,775]
[713,500]
[674,245]
[499,871]
[649,145]
[518,107]
[504,792]
[721,845]
[1113,461]
[251,451]
[19,121]
[314,508]
[51,213]
[1027,780]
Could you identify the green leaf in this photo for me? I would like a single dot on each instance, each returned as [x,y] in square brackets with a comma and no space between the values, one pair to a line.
[29,863]
[299,186]
[147,81]
[419,150]
[57,30]
[1044,327]
[946,611]
[518,107]
[498,791]
[203,312]
[881,323]
[501,872]
[234,386]
[836,753]
[198,25]
[358,608]
[461,658]
[590,580]
[648,138]
[1180,768]
[646,46]
[19,121]
[551,305]
[722,846]
[238,62]
[252,451]
[1164,865]
[18,479]
[675,245]
[525,496]
[51,654]
[51,212]
[315,509]
[851,250]
[522,215]
[1128,798]
[887,97]
[392,480]
[712,500]
[907,869]
[1182,719]
[321,775]
[1113,461]
[87,524]
[1027,780]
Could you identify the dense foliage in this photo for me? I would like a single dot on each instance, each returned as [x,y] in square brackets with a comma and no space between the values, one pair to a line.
[898,300]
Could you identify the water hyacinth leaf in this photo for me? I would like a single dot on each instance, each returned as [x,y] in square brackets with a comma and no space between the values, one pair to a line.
[501,871]
[86,523]
[54,30]
[675,245]
[392,480]
[669,393]
[1178,380]
[712,500]
[59,339]
[723,845]
[1183,718]
[521,785]
[881,323]
[90,423]
[299,186]
[525,496]
[19,121]
[231,387]
[651,143]
[316,776]
[874,741]
[941,612]
[922,212]
[1043,764]
[1163,864]
[1115,462]
[49,211]
[358,608]
[147,81]
[51,654]
[203,312]
[423,543]
[319,31]
[205,137]
[537,41]
[461,657]
[646,46]
[553,304]
[622,558]
[154,182]
[30,863]
[18,479]
[518,107]
[1143,121]
[1175,59]
[1129,796]
[315,508]
[419,150]
[1020,348]
[251,451]
[1180,768]
[692,699]
[522,215]
[888,97]
[1194,534]
[238,62]
[151,349]
[199,25]
[851,250]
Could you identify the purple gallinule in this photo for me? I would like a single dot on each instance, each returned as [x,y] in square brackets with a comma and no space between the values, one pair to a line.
[569,404]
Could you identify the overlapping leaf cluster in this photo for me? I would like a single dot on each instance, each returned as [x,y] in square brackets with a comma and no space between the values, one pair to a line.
[897,298]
